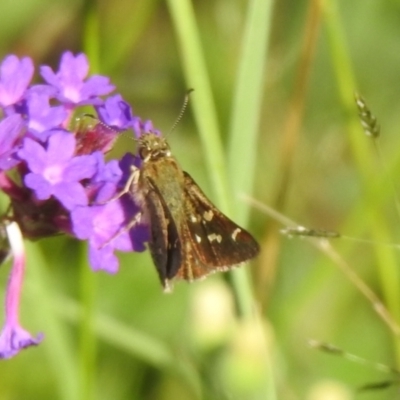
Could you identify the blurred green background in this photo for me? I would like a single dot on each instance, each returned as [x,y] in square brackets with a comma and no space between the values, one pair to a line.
[273,117]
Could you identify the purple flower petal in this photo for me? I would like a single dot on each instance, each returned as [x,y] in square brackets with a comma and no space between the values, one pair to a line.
[60,148]
[103,258]
[41,90]
[42,117]
[79,168]
[34,154]
[105,228]
[55,171]
[96,85]
[39,185]
[69,80]
[107,172]
[115,112]
[70,194]
[94,224]
[10,129]
[139,127]
[15,76]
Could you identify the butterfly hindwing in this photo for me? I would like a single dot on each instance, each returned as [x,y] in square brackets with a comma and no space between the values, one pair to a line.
[217,240]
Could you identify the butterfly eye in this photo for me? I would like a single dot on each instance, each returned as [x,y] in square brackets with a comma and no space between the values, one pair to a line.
[144,152]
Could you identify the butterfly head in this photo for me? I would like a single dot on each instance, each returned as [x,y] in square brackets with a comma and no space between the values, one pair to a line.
[152,147]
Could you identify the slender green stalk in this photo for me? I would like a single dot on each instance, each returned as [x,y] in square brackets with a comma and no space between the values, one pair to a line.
[245,119]
[91,34]
[247,103]
[362,152]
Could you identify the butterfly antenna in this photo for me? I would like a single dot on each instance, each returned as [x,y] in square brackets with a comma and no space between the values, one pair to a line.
[98,120]
[183,109]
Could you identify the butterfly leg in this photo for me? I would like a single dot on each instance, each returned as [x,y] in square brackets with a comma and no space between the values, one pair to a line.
[132,181]
[126,228]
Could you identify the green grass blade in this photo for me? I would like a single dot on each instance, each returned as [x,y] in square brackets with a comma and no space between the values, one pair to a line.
[205,114]
[202,100]
[245,114]
[247,102]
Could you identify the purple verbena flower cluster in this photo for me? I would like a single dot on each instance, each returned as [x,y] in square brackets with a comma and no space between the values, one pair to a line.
[56,177]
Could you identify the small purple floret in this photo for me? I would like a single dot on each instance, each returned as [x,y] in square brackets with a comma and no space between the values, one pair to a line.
[14,338]
[115,112]
[70,81]
[55,171]
[139,127]
[106,226]
[105,229]
[43,117]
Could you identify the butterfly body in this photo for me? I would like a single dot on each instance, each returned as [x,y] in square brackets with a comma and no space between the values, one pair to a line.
[189,237]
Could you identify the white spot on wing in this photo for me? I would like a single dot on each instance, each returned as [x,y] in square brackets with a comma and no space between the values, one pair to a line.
[235,233]
[208,215]
[215,237]
[198,238]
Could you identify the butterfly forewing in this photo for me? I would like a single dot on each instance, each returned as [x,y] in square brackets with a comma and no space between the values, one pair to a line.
[165,246]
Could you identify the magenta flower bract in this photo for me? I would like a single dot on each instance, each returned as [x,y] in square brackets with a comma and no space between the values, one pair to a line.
[13,337]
